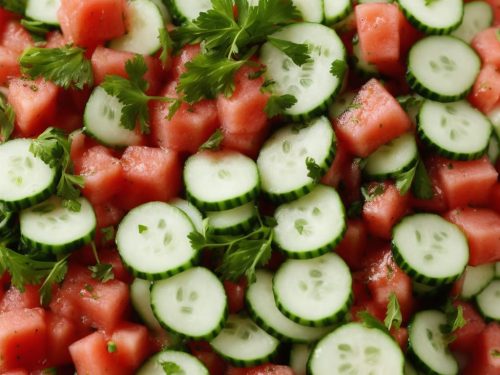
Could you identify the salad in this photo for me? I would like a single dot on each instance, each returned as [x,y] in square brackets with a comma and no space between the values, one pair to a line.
[249,187]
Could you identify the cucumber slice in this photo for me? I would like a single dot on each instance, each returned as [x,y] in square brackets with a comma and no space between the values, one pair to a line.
[476,279]
[428,347]
[356,349]
[169,359]
[262,307]
[430,249]
[299,355]
[312,225]
[143,35]
[478,16]
[392,159]
[49,227]
[25,180]
[101,120]
[140,296]
[152,240]
[363,67]
[192,303]
[188,10]
[243,343]
[336,10]
[433,17]
[488,301]
[341,104]
[220,180]
[442,68]
[311,10]
[454,130]
[282,161]
[313,292]
[191,211]
[234,221]
[43,10]
[311,84]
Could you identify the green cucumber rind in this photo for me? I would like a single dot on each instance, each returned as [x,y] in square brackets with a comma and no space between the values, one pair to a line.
[225,204]
[306,189]
[340,16]
[426,29]
[239,228]
[486,317]
[32,200]
[391,175]
[327,321]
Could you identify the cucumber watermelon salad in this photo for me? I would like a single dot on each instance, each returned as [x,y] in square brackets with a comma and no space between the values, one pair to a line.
[249,187]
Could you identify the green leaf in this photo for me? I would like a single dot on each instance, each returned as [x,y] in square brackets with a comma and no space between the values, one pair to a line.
[214,142]
[277,105]
[405,180]
[393,316]
[430,2]
[495,353]
[372,192]
[422,184]
[112,347]
[7,118]
[131,93]
[66,66]
[208,76]
[171,368]
[37,28]
[299,53]
[56,276]
[411,102]
[108,233]
[102,272]
[454,320]
[166,45]
[142,228]
[16,6]
[370,321]
[338,69]
[314,169]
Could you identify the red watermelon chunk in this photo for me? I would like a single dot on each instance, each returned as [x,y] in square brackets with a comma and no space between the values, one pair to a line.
[9,65]
[487,45]
[485,94]
[17,300]
[375,118]
[15,37]
[132,344]
[466,337]
[485,359]
[61,333]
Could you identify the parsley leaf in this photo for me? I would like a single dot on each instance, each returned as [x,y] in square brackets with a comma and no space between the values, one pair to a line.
[16,6]
[430,2]
[411,102]
[208,75]
[131,93]
[372,192]
[37,29]
[405,180]
[277,105]
[101,271]
[338,69]
[455,320]
[7,117]
[214,142]
[242,254]
[495,353]
[108,233]
[422,185]
[171,368]
[370,321]
[393,315]
[166,45]
[314,169]
[299,53]
[111,345]
[53,147]
[26,271]
[65,66]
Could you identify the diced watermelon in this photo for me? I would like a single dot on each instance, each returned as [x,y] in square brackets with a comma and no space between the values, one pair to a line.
[6,16]
[268,369]
[368,306]
[55,40]
[437,203]
[132,344]
[466,337]
[243,112]
[15,37]
[246,143]
[91,22]
[482,229]
[466,182]
[375,119]
[401,337]
[151,174]
[61,333]
[487,45]
[485,94]
[334,173]
[80,143]
[111,256]
[23,334]
[16,300]
[103,174]
[353,246]
[9,65]
[186,54]
[91,356]
[235,295]
[204,352]
[386,208]
[190,126]
[485,359]
[108,214]
[34,103]
[106,61]
[408,34]
[384,277]
[378,31]
[495,197]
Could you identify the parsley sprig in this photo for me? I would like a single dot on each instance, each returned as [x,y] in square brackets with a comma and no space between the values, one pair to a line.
[27,271]
[393,317]
[214,142]
[16,6]
[132,94]
[7,117]
[101,271]
[242,254]
[53,147]
[454,321]
[66,66]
